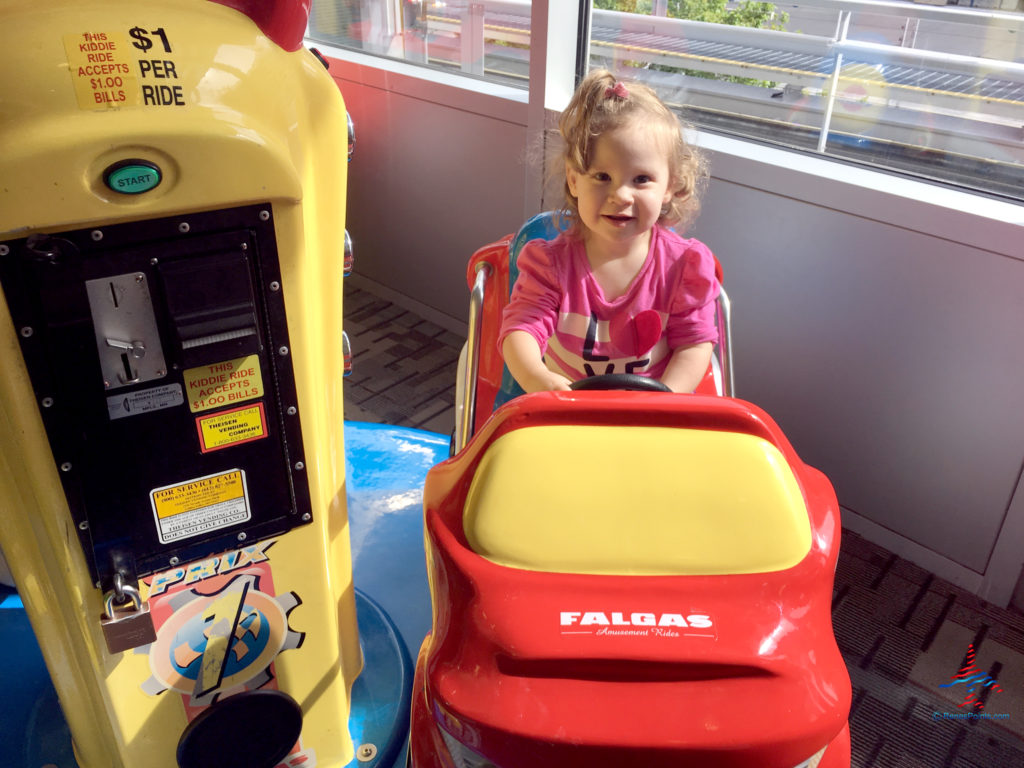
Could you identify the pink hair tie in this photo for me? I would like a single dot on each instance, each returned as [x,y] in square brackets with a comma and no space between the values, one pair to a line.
[619,89]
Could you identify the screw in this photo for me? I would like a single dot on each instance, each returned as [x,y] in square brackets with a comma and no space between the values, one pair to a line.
[84,525]
[244,246]
[154,261]
[275,286]
[300,465]
[241,536]
[139,278]
[65,467]
[96,235]
[174,561]
[47,402]
[264,215]
[366,752]
[282,351]
[292,410]
[4,250]
[27,331]
[306,517]
[184,227]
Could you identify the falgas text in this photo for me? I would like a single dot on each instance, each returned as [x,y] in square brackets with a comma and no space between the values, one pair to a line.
[636,619]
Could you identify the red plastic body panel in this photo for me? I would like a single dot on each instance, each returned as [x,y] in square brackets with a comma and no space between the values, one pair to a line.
[764,686]
[488,381]
[283,21]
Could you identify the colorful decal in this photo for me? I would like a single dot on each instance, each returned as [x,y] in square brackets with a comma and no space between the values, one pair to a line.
[199,506]
[108,71]
[233,381]
[636,624]
[220,641]
[220,626]
[233,427]
[144,401]
[978,685]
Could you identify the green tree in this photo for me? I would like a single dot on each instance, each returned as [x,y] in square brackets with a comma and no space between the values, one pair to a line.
[749,13]
[642,7]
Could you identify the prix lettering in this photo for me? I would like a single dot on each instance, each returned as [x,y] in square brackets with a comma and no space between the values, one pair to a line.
[214,566]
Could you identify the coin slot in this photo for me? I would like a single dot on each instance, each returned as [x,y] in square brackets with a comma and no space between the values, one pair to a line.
[127,338]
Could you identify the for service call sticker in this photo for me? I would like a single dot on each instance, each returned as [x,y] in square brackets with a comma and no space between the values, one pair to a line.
[197,507]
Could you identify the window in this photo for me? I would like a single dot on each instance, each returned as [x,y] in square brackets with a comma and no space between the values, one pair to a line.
[931,91]
[483,39]
[936,92]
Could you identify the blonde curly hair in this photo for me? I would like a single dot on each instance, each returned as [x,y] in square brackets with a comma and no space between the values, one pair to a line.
[603,103]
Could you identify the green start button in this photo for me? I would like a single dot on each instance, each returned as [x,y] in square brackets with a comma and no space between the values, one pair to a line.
[132,177]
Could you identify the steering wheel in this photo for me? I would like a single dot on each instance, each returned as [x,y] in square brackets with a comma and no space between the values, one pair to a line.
[631,382]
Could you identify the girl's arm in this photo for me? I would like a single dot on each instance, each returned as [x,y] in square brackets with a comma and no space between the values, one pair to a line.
[686,367]
[525,363]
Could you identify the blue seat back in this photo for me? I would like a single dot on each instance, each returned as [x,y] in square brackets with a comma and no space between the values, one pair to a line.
[544,226]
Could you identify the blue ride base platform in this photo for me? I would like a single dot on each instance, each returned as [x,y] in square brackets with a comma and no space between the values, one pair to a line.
[385,468]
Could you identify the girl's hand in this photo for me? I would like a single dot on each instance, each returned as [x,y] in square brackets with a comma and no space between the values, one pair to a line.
[546,381]
[525,363]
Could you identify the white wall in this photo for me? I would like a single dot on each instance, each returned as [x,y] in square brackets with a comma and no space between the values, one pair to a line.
[875,318]
[882,333]
[437,172]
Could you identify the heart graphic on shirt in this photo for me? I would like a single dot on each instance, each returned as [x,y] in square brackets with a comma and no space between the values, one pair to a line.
[635,336]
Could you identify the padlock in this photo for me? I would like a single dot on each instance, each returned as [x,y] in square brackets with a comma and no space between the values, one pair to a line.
[128,626]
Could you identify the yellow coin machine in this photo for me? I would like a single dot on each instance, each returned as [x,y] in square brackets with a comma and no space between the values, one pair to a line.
[172,490]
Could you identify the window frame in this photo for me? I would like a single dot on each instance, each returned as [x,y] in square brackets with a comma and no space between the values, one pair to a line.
[882,195]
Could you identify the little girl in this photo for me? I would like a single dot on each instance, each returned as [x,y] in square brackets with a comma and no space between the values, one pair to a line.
[618,292]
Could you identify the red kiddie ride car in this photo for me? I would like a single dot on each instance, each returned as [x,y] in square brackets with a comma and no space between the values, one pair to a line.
[623,578]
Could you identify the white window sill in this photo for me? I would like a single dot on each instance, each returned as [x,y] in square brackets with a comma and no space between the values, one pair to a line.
[884,197]
[458,91]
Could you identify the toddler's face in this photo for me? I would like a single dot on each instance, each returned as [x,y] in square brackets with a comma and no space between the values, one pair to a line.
[621,195]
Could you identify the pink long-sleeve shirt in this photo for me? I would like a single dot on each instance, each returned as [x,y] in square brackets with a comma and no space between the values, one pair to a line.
[669,304]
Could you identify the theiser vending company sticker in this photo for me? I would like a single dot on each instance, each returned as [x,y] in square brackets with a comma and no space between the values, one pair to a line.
[226,428]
